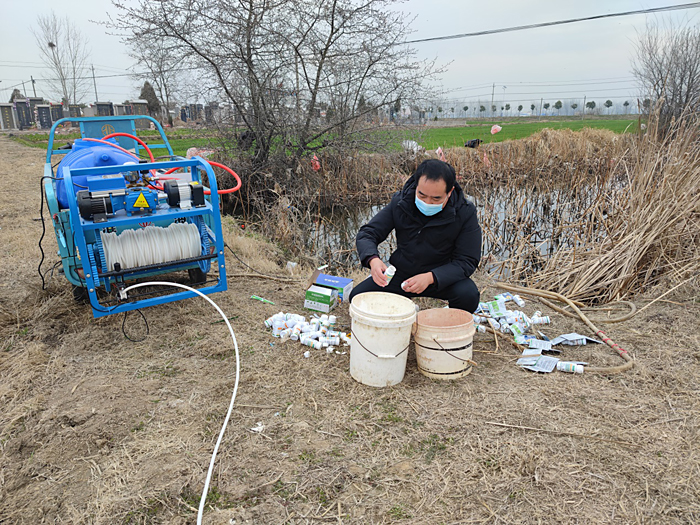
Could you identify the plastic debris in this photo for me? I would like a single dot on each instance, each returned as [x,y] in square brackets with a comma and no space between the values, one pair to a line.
[199,152]
[496,315]
[495,129]
[541,363]
[317,333]
[411,146]
[258,428]
[570,366]
[261,299]
[540,345]
[574,339]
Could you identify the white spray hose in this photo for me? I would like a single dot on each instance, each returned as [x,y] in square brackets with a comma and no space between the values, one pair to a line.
[203,499]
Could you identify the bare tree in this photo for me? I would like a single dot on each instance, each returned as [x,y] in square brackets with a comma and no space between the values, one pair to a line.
[667,67]
[65,52]
[279,63]
[157,64]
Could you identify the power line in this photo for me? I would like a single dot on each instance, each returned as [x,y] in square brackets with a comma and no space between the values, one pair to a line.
[134,74]
[23,62]
[569,84]
[540,93]
[585,86]
[676,7]
[28,65]
[582,80]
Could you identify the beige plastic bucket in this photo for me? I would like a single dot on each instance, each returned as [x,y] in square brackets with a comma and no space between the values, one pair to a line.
[443,338]
[381,334]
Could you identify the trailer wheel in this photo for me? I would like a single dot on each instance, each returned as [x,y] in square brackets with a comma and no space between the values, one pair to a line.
[197,276]
[80,294]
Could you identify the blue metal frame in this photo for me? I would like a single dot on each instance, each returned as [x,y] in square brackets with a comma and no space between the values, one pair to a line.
[78,239]
[89,124]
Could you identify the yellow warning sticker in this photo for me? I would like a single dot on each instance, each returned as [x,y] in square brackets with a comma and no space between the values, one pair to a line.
[141,202]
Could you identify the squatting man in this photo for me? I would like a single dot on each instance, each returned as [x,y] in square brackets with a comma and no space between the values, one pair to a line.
[438,240]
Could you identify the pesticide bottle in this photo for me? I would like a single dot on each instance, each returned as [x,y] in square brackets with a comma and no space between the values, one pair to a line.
[568,366]
[389,273]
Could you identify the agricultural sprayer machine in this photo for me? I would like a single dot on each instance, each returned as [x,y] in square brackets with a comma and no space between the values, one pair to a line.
[121,214]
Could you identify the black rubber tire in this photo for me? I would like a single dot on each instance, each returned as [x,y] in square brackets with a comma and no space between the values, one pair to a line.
[80,294]
[197,276]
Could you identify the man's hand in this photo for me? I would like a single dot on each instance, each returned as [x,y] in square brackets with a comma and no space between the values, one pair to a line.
[418,283]
[378,267]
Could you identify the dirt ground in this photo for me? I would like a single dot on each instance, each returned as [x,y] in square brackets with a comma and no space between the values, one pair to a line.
[97,429]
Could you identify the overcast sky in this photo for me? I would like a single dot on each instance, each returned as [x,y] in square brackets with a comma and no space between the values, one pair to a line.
[562,62]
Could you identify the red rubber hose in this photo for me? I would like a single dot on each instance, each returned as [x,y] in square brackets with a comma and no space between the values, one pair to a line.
[113,145]
[233,174]
[134,137]
[220,192]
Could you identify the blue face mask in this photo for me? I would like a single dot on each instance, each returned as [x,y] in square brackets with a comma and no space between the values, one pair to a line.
[428,209]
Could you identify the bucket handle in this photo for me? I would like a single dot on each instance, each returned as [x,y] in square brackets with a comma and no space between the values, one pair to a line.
[385,356]
[452,355]
[444,339]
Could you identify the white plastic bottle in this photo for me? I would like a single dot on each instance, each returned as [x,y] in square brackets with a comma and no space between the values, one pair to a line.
[568,366]
[277,326]
[389,273]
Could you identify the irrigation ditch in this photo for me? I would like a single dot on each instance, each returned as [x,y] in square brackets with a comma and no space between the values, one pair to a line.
[591,213]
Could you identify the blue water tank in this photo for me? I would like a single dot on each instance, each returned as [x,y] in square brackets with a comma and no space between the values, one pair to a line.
[87,154]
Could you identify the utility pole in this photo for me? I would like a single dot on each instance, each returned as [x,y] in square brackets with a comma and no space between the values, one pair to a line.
[540,115]
[493,89]
[33,85]
[296,88]
[24,90]
[583,109]
[94,82]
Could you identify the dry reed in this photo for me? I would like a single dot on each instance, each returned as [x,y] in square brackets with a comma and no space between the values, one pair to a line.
[650,220]
[591,214]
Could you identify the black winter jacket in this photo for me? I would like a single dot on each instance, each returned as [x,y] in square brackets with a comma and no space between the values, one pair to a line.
[448,243]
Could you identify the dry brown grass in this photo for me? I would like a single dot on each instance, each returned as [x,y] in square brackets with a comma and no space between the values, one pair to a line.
[96,429]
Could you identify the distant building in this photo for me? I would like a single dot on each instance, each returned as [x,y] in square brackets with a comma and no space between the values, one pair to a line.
[104,109]
[7,116]
[24,113]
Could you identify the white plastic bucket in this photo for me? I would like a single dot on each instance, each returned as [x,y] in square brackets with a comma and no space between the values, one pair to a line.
[443,340]
[381,334]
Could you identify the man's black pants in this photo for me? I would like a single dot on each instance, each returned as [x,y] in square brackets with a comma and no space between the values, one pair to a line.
[463,294]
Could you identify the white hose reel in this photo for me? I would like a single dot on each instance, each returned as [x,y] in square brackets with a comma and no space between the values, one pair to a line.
[151,245]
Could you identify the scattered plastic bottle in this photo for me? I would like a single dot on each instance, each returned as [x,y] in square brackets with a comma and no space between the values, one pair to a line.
[277,326]
[330,341]
[568,366]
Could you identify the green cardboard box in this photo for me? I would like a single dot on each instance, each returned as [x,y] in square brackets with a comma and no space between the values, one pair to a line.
[325,292]
[320,298]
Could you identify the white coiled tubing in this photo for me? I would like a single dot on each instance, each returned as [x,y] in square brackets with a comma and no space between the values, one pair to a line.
[151,245]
